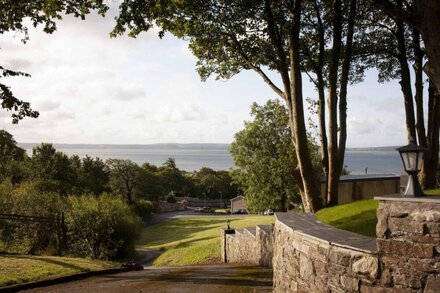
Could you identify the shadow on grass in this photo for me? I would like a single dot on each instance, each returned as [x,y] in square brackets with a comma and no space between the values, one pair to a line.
[53,261]
[178,229]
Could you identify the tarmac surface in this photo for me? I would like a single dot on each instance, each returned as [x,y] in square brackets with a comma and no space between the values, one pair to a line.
[213,279]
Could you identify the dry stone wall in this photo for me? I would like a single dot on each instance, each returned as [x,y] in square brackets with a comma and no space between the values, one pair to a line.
[310,256]
[408,240]
[249,245]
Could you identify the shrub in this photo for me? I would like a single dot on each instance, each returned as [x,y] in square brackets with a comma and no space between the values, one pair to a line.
[104,227]
[171,198]
[29,237]
[143,208]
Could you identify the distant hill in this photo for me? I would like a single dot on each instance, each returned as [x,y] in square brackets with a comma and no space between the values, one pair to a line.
[375,149]
[201,146]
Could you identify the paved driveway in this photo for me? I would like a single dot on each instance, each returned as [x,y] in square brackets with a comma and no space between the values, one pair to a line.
[198,279]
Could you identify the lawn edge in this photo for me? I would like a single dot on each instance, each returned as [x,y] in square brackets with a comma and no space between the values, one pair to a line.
[69,278]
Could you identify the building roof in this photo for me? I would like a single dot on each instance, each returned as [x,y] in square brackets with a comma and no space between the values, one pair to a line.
[368,177]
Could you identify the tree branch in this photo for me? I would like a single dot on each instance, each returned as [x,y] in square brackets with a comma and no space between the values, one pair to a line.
[396,12]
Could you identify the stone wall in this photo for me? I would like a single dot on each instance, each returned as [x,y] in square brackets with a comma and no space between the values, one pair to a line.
[248,245]
[310,256]
[408,240]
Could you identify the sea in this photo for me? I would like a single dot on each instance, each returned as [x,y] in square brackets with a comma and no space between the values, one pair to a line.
[191,157]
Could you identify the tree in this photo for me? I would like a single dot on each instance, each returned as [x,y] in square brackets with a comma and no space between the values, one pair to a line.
[269,35]
[265,156]
[396,47]
[93,176]
[52,170]
[123,174]
[214,184]
[16,16]
[148,184]
[423,16]
[11,158]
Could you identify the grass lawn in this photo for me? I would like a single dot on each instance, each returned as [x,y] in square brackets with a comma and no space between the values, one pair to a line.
[432,191]
[359,216]
[192,241]
[15,269]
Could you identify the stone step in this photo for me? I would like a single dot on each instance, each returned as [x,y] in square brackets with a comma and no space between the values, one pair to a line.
[239,231]
[252,231]
[266,228]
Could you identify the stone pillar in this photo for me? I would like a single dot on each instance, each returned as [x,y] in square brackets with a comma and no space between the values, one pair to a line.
[408,242]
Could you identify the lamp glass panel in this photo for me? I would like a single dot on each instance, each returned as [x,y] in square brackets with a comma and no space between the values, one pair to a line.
[405,160]
[412,161]
[420,161]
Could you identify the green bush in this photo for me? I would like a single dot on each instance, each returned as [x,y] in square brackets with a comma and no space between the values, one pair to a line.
[171,198]
[143,208]
[104,227]
[29,237]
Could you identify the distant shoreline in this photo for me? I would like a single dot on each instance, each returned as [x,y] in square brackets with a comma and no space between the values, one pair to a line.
[29,145]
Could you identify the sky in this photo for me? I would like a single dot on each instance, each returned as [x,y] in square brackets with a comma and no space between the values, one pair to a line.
[90,88]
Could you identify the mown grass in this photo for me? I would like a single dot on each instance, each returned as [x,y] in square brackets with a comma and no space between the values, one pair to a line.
[16,269]
[192,241]
[432,191]
[358,217]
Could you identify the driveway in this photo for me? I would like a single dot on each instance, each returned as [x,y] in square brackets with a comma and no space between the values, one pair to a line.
[212,279]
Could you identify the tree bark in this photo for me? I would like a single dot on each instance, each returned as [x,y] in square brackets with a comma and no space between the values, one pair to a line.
[332,191]
[309,194]
[432,156]
[343,86]
[405,82]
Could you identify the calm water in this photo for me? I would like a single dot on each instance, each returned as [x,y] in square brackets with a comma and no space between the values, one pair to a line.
[191,157]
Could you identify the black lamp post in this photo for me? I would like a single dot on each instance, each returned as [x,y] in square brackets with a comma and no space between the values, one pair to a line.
[412,158]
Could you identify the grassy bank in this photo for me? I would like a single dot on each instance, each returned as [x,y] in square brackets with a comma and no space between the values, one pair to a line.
[358,217]
[192,241]
[16,269]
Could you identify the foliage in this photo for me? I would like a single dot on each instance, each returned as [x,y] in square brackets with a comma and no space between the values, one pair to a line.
[171,198]
[264,153]
[93,176]
[16,269]
[122,177]
[52,170]
[103,227]
[11,158]
[31,237]
[143,208]
[214,184]
[192,241]
[358,217]
[16,17]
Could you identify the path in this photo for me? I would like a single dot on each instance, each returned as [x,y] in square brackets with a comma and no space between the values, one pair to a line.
[212,279]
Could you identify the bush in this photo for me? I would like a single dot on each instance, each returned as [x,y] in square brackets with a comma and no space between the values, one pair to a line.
[29,237]
[104,227]
[171,198]
[143,208]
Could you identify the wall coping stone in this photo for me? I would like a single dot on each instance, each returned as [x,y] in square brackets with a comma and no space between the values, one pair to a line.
[266,228]
[398,197]
[252,231]
[310,226]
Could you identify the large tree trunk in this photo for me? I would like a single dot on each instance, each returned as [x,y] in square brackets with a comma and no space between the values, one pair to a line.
[332,191]
[321,97]
[429,27]
[405,82]
[309,192]
[432,157]
[343,86]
